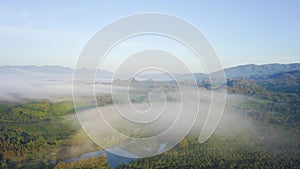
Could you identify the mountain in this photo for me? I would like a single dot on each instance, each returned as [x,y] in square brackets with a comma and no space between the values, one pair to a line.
[287,82]
[47,71]
[9,70]
[252,71]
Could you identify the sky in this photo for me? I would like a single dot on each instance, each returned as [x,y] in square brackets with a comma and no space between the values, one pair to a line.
[242,32]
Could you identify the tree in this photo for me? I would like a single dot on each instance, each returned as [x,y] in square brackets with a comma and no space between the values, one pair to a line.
[184,143]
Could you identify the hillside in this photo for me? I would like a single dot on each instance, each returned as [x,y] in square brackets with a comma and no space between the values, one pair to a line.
[254,71]
[272,101]
[287,82]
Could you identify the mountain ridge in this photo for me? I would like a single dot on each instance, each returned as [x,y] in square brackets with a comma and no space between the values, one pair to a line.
[252,70]
[248,71]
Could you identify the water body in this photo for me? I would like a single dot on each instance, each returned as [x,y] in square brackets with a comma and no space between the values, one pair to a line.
[112,159]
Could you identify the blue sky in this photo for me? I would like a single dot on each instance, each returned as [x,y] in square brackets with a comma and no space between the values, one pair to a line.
[54,32]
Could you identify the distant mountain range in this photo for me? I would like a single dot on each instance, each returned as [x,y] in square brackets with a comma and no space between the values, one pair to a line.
[250,71]
[34,69]
[254,71]
[56,81]
[46,71]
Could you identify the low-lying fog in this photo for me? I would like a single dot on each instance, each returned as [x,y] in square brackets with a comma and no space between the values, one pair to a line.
[41,86]
[146,139]
[163,121]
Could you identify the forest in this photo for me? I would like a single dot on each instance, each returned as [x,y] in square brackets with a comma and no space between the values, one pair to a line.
[39,133]
[273,108]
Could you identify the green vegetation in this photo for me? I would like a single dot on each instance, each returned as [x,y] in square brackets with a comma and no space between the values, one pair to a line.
[220,152]
[32,136]
[277,113]
[287,82]
[33,132]
[274,145]
[90,163]
[266,105]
